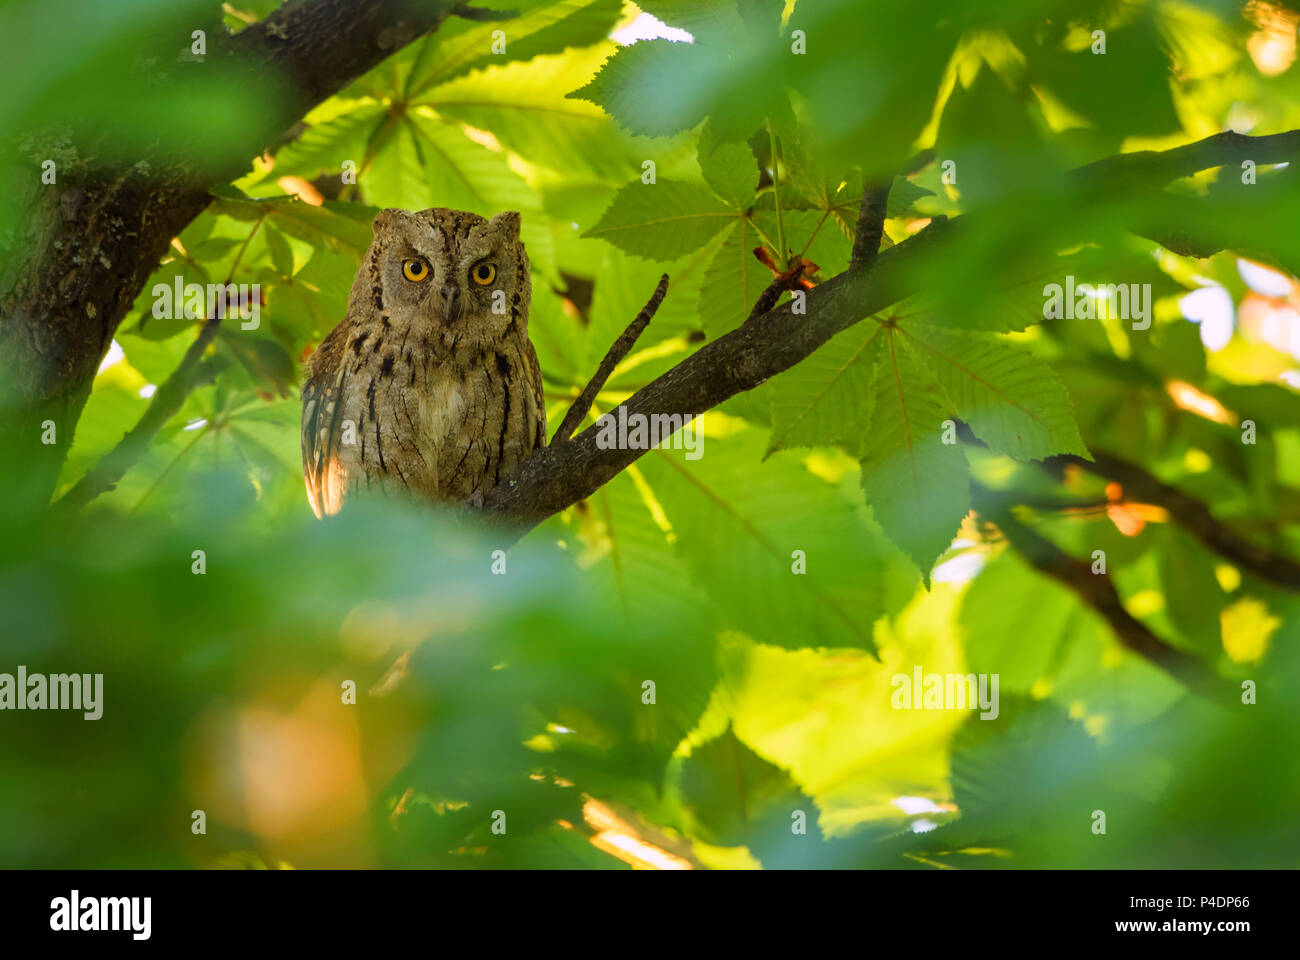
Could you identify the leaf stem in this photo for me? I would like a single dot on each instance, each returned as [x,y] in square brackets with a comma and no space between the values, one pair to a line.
[782,255]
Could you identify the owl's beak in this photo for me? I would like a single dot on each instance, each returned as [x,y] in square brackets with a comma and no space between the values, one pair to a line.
[451,302]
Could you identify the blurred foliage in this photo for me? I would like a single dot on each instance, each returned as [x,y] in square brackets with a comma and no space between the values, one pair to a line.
[523,696]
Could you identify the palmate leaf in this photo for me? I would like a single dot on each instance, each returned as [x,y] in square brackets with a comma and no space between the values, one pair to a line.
[892,393]
[457,167]
[427,162]
[1012,401]
[324,146]
[524,107]
[663,220]
[917,485]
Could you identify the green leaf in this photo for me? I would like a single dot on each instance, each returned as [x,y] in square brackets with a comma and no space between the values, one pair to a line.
[827,398]
[324,147]
[737,798]
[655,87]
[524,106]
[739,538]
[663,220]
[1195,597]
[902,195]
[1005,604]
[1013,401]
[731,170]
[461,46]
[278,247]
[467,175]
[344,227]
[917,485]
[733,282]
[707,21]
[993,304]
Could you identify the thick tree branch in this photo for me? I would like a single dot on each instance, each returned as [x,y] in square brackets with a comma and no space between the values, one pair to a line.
[556,477]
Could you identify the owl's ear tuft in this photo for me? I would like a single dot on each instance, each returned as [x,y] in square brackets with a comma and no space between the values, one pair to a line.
[384,219]
[508,221]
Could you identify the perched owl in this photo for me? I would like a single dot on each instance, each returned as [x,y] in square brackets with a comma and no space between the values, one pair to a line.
[430,385]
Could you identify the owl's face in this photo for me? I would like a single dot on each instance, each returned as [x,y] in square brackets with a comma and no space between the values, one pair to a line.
[465,276]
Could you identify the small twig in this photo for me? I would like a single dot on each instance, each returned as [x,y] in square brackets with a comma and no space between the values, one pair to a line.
[782,254]
[616,353]
[1046,503]
[1098,592]
[1193,516]
[779,285]
[871,222]
[1188,512]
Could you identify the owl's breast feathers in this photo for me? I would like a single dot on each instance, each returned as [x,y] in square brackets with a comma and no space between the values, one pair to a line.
[384,407]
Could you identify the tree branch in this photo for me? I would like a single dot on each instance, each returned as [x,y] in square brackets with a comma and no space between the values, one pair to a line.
[556,477]
[1155,168]
[1193,516]
[1098,592]
[871,222]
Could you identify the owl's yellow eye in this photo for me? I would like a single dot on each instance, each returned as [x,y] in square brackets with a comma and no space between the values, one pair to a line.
[484,274]
[415,270]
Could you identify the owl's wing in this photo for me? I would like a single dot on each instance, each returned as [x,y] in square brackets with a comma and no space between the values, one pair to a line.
[322,415]
[535,374]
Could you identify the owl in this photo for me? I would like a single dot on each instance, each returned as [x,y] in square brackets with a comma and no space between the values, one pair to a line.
[430,385]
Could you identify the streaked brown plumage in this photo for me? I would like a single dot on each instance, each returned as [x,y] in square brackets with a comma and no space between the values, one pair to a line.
[430,385]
